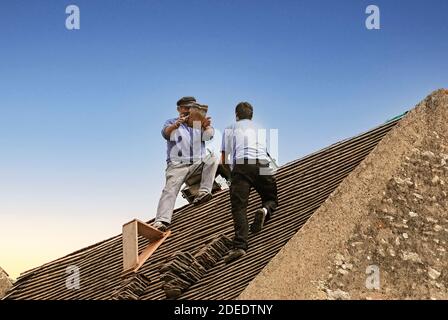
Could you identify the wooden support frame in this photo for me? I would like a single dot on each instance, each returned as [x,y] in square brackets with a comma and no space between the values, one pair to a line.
[132,261]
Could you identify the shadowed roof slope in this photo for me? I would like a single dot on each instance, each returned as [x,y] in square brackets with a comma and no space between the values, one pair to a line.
[303,186]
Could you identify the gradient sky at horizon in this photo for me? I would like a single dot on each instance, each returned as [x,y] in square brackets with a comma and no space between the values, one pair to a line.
[81,111]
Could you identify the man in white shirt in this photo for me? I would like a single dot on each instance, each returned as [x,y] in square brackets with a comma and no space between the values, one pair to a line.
[244,148]
[186,154]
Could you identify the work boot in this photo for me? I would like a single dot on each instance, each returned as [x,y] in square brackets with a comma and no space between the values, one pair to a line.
[202,197]
[234,254]
[259,218]
[161,226]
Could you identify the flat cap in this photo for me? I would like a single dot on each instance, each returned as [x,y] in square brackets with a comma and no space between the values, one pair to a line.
[186,101]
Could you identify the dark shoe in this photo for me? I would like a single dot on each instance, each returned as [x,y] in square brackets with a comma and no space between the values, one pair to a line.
[234,254]
[161,226]
[173,293]
[259,219]
[202,197]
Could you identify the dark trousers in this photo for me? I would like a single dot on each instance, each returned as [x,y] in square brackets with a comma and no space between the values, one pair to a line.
[245,176]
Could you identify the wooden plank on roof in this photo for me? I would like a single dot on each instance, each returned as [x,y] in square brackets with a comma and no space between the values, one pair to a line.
[132,261]
[149,232]
[149,250]
[130,246]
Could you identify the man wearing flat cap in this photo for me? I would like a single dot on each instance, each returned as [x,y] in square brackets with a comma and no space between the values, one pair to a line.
[185,138]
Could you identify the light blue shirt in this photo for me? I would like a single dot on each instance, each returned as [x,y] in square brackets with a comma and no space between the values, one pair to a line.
[185,144]
[245,140]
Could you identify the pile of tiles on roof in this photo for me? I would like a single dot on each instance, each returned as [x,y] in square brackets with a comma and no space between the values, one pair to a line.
[183,269]
[131,287]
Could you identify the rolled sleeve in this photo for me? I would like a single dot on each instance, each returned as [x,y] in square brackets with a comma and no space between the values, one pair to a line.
[167,124]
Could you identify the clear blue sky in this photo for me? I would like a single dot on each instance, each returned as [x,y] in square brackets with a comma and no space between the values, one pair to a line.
[81,111]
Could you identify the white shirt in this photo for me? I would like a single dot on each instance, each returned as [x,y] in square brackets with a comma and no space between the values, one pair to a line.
[244,140]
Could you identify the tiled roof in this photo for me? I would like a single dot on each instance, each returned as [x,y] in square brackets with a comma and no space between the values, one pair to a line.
[303,186]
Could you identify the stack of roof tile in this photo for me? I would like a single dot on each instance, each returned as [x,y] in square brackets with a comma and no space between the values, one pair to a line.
[131,287]
[183,269]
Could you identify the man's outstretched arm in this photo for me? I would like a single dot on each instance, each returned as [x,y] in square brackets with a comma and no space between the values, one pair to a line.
[170,128]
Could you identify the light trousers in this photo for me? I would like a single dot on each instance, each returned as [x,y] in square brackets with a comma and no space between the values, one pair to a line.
[176,174]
